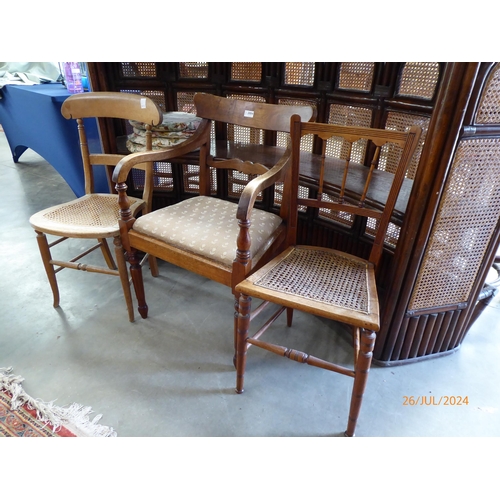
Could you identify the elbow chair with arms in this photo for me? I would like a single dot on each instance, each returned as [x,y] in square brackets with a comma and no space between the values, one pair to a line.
[215,238]
[94,216]
[322,281]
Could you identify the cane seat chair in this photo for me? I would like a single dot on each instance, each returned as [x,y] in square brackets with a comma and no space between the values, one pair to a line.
[213,237]
[322,281]
[94,216]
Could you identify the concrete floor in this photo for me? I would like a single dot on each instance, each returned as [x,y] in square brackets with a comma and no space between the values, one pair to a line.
[172,374]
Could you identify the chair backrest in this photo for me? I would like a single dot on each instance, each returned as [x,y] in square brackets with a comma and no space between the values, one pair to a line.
[343,185]
[253,157]
[111,105]
[275,117]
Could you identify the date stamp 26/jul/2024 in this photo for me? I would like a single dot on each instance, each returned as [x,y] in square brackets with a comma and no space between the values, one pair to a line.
[435,400]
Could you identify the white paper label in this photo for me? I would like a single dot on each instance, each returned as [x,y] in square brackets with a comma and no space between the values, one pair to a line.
[248,113]
[143,103]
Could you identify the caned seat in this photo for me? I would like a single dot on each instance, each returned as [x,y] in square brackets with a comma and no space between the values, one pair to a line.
[216,238]
[94,216]
[320,280]
[90,216]
[325,281]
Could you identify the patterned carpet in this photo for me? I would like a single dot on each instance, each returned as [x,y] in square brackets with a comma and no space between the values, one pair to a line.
[24,416]
[23,422]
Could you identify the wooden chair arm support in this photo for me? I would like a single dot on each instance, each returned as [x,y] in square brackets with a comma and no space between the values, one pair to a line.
[133,160]
[257,185]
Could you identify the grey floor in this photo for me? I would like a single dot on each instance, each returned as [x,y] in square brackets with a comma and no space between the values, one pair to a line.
[172,374]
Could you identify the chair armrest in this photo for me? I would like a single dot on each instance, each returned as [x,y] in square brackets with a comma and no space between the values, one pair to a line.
[255,186]
[198,139]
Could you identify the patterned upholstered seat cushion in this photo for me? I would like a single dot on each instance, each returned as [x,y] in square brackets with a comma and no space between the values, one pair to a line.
[207,227]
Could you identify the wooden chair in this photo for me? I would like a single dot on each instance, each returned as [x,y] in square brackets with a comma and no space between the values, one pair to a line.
[215,238]
[322,281]
[95,215]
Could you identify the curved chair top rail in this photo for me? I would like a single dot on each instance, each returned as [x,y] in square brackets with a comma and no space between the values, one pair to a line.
[259,115]
[112,105]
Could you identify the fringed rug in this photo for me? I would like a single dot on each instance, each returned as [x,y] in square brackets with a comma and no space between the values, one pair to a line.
[23,416]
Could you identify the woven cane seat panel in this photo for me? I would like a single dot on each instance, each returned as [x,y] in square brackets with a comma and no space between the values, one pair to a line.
[89,216]
[321,276]
[465,223]
[207,227]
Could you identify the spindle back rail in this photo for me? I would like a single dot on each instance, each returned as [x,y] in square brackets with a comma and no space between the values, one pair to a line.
[378,138]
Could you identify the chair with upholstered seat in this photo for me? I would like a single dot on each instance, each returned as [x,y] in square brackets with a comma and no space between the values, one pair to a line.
[94,216]
[216,238]
[319,280]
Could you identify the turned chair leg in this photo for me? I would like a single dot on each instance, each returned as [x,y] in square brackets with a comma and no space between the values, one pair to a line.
[235,327]
[362,369]
[122,270]
[43,245]
[136,273]
[245,304]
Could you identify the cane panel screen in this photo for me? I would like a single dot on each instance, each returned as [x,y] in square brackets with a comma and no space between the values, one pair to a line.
[350,116]
[193,70]
[356,76]
[185,102]
[299,73]
[155,95]
[138,69]
[278,195]
[306,143]
[419,79]
[162,177]
[389,156]
[246,71]
[191,179]
[467,216]
[489,110]
[391,235]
